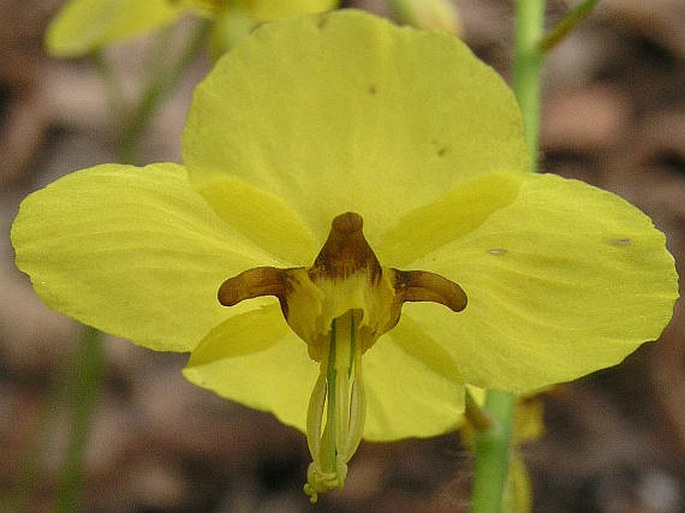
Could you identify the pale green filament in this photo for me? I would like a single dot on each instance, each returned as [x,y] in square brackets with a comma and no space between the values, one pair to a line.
[339,390]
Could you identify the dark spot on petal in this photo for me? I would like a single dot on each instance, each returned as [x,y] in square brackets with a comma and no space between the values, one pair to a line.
[322,22]
[372,90]
[441,151]
[620,242]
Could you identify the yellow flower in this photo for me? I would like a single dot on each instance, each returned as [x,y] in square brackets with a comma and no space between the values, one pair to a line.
[361,192]
[438,15]
[86,25]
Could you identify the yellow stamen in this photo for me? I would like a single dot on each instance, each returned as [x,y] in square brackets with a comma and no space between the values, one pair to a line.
[339,387]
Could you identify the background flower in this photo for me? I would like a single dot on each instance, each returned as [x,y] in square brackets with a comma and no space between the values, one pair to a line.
[86,25]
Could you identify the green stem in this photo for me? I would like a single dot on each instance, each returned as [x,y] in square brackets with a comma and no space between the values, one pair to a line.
[493,446]
[113,92]
[75,388]
[528,69]
[160,85]
[561,29]
[86,370]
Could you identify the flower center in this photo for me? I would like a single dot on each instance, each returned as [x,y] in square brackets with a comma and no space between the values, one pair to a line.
[339,307]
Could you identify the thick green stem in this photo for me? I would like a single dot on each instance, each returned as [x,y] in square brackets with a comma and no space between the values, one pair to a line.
[493,446]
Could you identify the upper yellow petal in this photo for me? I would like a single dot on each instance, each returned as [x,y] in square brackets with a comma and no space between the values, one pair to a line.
[345,111]
[255,358]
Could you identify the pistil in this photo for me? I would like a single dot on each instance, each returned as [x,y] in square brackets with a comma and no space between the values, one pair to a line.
[338,397]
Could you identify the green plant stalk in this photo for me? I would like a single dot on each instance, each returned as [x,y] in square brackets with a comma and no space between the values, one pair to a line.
[86,371]
[528,60]
[74,387]
[493,446]
[160,85]
[162,80]
[492,449]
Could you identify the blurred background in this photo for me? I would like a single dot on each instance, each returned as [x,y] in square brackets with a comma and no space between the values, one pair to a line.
[614,442]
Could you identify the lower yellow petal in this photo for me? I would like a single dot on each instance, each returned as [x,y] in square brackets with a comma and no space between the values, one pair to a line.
[255,359]
[413,386]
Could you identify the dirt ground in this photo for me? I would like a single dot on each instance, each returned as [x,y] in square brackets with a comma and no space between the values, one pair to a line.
[613,115]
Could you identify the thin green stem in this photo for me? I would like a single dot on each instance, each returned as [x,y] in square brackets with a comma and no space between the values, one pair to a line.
[562,29]
[75,386]
[160,85]
[116,103]
[86,371]
[528,70]
[31,457]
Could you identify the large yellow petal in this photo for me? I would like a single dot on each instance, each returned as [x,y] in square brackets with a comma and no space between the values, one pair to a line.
[132,251]
[85,25]
[345,111]
[565,280]
[257,360]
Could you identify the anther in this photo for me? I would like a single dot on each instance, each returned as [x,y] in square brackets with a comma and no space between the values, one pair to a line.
[427,286]
[260,281]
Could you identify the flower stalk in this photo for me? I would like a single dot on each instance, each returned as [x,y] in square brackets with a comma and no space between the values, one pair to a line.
[493,451]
